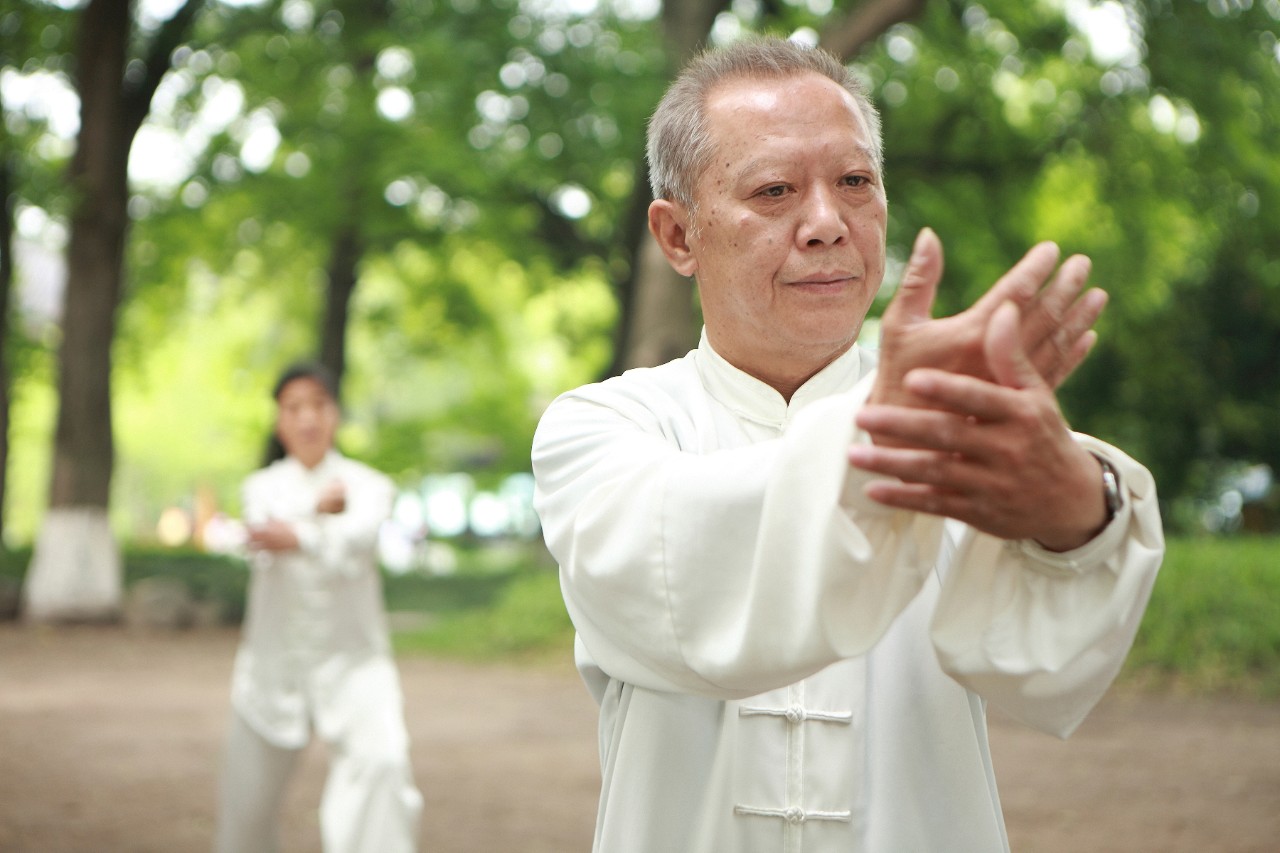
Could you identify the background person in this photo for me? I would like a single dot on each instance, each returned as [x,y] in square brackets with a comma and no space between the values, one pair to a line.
[315,653]
[797,578]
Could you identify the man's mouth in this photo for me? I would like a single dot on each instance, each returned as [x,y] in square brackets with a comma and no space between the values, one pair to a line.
[824,279]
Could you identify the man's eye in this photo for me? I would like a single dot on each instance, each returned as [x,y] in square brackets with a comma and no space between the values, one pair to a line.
[856,180]
[775,191]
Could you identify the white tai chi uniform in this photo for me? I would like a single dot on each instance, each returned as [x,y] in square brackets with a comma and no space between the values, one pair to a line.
[316,654]
[783,665]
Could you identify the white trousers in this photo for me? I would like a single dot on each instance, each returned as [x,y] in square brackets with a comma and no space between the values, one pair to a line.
[369,805]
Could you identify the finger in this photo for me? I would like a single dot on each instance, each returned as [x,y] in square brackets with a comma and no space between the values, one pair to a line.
[1002,346]
[914,300]
[1049,309]
[961,396]
[1059,356]
[912,427]
[1023,280]
[927,467]
[1075,358]
[916,497]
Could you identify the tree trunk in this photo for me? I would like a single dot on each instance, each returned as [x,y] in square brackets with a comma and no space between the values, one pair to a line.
[365,20]
[6,289]
[864,23]
[75,571]
[343,261]
[657,303]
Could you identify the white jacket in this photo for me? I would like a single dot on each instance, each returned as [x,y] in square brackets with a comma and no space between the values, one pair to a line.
[315,636]
[784,665]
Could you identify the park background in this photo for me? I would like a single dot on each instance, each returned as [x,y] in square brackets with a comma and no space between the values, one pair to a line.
[443,200]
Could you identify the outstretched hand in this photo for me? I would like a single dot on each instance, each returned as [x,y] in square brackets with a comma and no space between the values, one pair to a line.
[989,446]
[1055,322]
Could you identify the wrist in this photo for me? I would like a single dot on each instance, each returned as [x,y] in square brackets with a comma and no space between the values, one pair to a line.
[1102,501]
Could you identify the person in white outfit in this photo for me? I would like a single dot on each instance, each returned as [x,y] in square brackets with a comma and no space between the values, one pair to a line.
[315,654]
[800,570]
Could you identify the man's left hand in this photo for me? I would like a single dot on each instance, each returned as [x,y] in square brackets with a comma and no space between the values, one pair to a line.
[996,455]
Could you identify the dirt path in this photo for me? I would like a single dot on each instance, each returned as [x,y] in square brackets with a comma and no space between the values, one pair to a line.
[110,742]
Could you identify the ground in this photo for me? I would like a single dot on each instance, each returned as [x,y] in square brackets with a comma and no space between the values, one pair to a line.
[110,742]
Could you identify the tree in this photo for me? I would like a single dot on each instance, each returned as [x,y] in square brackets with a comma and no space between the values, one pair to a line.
[6,288]
[464,246]
[426,207]
[75,570]
[19,45]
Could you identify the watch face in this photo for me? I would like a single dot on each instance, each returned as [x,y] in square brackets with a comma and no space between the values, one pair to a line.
[1110,488]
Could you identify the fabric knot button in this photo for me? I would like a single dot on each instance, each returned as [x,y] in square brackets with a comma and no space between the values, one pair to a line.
[795,714]
[794,816]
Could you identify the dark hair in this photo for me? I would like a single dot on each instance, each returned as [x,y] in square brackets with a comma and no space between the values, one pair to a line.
[313,370]
[307,370]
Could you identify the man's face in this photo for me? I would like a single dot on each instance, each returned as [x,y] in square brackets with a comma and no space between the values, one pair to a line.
[788,238]
[306,420]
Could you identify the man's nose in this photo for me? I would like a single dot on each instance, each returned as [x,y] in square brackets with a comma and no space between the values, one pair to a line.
[821,219]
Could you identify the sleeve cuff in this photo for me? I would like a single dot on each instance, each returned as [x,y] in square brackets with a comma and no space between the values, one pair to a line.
[1093,553]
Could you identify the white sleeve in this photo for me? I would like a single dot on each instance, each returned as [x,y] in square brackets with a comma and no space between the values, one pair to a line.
[255,508]
[346,543]
[726,573]
[1039,634]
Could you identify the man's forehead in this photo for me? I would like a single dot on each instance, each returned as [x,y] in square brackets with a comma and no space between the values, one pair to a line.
[772,94]
[743,109]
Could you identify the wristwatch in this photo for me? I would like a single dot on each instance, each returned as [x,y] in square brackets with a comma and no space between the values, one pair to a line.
[1110,487]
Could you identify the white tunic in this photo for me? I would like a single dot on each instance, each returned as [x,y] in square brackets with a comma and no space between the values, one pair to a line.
[315,646]
[783,665]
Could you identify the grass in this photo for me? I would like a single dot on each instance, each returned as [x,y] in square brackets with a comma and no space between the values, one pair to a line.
[1213,624]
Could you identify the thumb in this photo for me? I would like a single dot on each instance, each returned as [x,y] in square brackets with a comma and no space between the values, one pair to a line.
[913,303]
[1006,357]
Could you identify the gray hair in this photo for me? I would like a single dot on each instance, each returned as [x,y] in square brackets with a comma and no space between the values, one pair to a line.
[678,146]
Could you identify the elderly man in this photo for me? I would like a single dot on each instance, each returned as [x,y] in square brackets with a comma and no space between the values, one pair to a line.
[798,577]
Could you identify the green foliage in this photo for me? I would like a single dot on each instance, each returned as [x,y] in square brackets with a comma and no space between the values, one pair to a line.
[1213,624]
[209,577]
[445,594]
[526,619]
[481,294]
[13,562]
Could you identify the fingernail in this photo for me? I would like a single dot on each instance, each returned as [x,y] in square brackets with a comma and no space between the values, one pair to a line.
[924,234]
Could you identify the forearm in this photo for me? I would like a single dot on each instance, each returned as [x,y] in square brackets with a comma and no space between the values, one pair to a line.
[346,542]
[1041,635]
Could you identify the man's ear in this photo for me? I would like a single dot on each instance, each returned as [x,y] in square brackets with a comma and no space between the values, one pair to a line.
[669,224]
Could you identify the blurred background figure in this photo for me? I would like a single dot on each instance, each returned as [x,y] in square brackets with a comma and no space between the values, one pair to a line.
[315,654]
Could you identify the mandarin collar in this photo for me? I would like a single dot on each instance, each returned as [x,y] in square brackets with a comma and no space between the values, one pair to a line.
[754,400]
[322,467]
